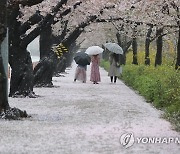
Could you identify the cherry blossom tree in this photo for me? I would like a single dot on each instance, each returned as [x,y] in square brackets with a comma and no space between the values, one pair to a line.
[24,26]
[55,16]
[20,60]
[26,23]
[149,16]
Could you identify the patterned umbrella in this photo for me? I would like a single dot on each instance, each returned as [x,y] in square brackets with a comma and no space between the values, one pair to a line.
[114,47]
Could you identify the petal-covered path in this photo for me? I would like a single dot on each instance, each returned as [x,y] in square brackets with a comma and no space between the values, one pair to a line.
[83,118]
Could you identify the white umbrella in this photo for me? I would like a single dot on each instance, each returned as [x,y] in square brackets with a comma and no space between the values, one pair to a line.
[114,47]
[94,50]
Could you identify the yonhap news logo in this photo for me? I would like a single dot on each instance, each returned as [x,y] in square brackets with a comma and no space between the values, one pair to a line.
[128,140]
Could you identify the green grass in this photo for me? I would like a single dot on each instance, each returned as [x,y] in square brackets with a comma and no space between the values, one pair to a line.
[160,86]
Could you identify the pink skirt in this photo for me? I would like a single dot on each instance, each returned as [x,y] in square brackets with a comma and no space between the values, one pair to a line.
[95,74]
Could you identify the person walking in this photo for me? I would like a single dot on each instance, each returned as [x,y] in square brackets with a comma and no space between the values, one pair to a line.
[95,74]
[115,68]
[80,73]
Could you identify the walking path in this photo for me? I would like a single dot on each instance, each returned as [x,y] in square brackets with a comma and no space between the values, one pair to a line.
[84,118]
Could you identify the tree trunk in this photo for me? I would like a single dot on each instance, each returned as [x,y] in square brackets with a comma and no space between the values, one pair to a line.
[49,63]
[21,84]
[45,42]
[178,53]
[159,42]
[147,44]
[5,111]
[119,39]
[22,73]
[134,47]
[3,87]
[3,73]
[43,72]
[125,44]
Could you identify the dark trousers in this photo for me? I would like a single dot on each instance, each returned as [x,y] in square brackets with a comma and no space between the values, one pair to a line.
[115,78]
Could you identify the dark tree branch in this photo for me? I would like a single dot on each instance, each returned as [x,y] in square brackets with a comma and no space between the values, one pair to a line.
[162,34]
[67,11]
[117,28]
[34,19]
[25,2]
[77,4]
[64,31]
[133,22]
[106,7]
[75,33]
[48,20]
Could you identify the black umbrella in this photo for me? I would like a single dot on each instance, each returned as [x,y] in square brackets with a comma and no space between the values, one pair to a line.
[82,58]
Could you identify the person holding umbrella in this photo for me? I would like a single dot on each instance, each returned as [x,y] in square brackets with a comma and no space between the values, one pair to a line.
[82,59]
[114,59]
[94,51]
[115,68]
